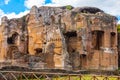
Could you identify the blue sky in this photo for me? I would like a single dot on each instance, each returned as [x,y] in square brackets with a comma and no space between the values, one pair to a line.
[18,8]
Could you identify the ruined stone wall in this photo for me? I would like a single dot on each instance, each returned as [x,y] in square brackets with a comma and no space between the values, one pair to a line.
[57,37]
[105,53]
[13,40]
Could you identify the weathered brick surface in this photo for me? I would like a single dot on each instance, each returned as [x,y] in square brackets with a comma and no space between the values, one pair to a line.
[80,38]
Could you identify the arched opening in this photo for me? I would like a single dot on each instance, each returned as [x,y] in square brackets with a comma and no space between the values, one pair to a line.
[13,38]
[12,47]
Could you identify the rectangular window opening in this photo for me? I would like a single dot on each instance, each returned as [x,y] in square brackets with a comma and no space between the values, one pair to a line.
[113,35]
[97,39]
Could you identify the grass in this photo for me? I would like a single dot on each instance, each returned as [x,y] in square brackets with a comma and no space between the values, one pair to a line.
[84,77]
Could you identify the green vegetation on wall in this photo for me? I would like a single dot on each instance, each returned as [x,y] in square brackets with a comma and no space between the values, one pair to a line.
[69,7]
[118,28]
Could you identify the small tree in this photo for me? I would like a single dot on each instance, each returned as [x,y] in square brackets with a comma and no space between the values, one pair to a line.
[69,7]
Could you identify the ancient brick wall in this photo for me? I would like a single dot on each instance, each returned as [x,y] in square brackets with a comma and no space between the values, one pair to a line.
[56,37]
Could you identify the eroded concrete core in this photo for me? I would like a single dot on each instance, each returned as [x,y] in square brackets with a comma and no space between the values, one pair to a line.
[60,37]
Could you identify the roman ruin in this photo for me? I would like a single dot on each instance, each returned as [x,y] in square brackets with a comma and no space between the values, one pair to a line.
[60,38]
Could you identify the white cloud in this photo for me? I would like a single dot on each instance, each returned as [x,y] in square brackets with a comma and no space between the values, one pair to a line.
[6,1]
[109,6]
[30,3]
[119,22]
[1,13]
[12,15]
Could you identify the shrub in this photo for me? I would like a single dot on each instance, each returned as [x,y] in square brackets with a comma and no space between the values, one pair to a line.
[69,7]
[118,28]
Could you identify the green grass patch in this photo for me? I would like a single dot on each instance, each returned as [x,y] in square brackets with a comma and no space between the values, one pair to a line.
[83,77]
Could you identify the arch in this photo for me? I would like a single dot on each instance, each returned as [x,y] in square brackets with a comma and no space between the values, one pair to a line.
[12,45]
[12,38]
